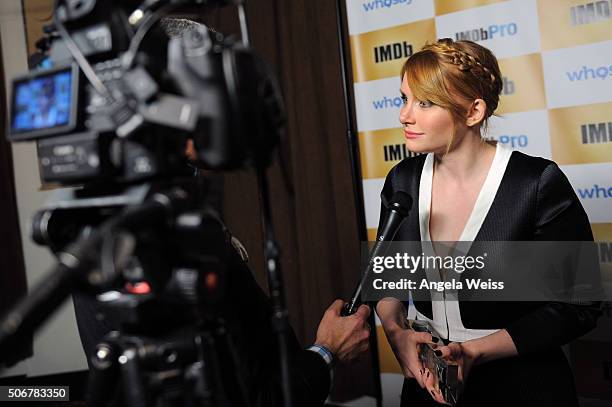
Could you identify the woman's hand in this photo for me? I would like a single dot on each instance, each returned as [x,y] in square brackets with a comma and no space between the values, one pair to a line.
[404,342]
[464,354]
[471,353]
[405,345]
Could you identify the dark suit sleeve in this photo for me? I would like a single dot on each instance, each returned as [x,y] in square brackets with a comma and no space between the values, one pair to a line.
[248,316]
[312,379]
[560,216]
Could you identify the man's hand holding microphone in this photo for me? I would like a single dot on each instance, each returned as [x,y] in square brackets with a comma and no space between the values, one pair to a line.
[345,337]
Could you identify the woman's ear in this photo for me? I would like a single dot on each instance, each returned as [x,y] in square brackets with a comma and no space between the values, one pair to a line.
[477,113]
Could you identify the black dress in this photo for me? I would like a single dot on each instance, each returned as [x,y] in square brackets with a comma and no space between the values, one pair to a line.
[524,198]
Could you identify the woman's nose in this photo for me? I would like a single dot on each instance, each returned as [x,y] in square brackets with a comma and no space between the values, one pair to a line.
[406,114]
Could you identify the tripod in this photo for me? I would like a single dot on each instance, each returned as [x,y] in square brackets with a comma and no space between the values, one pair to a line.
[181,370]
[158,262]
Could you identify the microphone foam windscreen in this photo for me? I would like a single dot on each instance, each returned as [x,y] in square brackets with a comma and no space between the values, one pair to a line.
[401,202]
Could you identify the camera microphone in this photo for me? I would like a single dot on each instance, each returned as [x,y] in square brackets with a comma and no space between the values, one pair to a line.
[398,209]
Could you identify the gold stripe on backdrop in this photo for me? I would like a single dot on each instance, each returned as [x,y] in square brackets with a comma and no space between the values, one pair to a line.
[388,362]
[450,6]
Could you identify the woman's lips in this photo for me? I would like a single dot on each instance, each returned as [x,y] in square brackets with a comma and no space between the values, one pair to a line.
[412,134]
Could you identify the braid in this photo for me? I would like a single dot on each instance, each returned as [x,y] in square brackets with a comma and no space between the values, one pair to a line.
[467,63]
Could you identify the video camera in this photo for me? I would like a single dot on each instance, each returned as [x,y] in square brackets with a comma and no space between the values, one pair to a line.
[121,98]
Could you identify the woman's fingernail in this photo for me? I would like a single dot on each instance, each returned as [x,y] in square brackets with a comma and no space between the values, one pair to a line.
[438,352]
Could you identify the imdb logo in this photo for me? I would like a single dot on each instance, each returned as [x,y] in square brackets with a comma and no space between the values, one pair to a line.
[581,134]
[389,52]
[523,84]
[380,54]
[595,133]
[508,86]
[380,150]
[589,13]
[397,152]
[567,23]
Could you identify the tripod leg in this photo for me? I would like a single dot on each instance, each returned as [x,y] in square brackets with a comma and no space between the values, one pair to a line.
[243,398]
[102,383]
[211,372]
[133,388]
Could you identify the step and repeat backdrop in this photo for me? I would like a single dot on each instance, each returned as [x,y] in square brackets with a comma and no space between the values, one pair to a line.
[556,61]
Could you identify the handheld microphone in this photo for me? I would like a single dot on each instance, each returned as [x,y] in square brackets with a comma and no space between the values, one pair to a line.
[398,207]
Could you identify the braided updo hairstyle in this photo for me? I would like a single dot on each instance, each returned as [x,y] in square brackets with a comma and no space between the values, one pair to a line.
[452,74]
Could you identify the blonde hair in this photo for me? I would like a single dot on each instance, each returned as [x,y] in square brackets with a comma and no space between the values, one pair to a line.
[449,72]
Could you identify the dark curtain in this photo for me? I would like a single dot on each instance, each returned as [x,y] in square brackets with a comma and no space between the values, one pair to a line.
[317,228]
[12,271]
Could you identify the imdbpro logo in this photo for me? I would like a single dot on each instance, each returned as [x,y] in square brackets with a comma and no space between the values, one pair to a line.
[514,140]
[488,33]
[373,5]
[591,12]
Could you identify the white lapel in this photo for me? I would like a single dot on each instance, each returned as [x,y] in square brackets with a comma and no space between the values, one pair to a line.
[446,312]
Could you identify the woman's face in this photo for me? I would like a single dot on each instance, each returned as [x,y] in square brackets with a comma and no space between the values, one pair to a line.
[427,127]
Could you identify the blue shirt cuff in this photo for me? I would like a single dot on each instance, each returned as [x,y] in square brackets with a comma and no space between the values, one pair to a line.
[325,353]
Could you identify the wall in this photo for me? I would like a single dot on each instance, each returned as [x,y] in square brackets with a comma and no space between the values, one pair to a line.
[57,348]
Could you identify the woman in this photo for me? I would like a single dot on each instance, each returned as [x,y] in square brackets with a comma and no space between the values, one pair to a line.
[468,189]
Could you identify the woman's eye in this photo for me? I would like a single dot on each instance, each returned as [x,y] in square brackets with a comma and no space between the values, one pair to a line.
[425,103]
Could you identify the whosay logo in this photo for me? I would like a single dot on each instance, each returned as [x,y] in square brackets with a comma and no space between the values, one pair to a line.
[595,192]
[589,73]
[373,5]
[393,102]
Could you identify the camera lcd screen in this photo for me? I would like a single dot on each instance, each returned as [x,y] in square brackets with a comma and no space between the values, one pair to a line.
[43,103]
